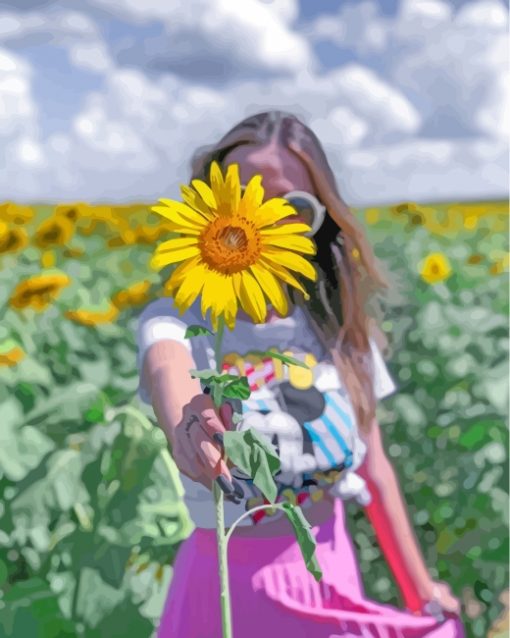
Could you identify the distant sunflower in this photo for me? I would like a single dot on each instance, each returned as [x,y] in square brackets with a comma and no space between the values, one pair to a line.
[134,295]
[87,317]
[435,268]
[54,231]
[232,248]
[48,259]
[38,291]
[10,353]
[12,238]
[16,213]
[69,211]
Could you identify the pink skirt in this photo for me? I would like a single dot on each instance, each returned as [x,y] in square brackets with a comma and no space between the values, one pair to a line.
[274,596]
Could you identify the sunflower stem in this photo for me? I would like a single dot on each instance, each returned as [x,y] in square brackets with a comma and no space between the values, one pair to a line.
[226,615]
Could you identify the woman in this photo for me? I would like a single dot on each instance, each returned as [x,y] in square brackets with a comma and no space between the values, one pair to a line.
[306,414]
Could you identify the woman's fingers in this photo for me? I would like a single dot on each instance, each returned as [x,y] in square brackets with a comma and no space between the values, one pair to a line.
[446,599]
[198,447]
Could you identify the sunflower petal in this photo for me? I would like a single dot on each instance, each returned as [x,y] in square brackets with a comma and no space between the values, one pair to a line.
[158,261]
[190,287]
[193,199]
[182,230]
[271,287]
[290,260]
[205,192]
[180,214]
[231,309]
[216,181]
[180,272]
[251,297]
[285,229]
[232,188]
[252,196]
[175,244]
[284,275]
[292,242]
[217,293]
[272,211]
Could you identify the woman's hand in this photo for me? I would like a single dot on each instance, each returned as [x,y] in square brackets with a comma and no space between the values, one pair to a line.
[196,443]
[439,595]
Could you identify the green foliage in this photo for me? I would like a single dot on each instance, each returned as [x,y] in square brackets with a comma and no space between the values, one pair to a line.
[223,386]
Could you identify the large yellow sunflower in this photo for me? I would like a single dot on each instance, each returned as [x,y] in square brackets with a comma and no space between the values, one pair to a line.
[232,248]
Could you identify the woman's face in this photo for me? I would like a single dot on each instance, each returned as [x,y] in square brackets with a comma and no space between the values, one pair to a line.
[281,170]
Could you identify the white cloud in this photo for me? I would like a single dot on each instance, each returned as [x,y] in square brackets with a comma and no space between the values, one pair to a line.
[451,66]
[358,27]
[28,152]
[384,106]
[16,103]
[384,132]
[215,40]
[71,30]
[90,55]
[424,170]
[487,13]
[19,130]
[428,12]
[341,127]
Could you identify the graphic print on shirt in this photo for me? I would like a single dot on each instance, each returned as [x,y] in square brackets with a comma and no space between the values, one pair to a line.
[311,429]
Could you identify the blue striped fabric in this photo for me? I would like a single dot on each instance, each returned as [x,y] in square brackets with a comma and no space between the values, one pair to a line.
[319,441]
[334,400]
[331,433]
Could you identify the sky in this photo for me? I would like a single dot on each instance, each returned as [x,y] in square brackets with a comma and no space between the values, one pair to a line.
[106,100]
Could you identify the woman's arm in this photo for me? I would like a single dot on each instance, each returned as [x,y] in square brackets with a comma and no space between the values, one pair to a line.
[185,414]
[388,515]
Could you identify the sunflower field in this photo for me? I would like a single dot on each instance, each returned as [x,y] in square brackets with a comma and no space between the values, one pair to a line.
[90,509]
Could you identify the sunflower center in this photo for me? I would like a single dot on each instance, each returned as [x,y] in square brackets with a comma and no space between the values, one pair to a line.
[230,245]
[233,237]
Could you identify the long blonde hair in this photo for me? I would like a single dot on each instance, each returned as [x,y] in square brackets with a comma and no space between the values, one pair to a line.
[350,275]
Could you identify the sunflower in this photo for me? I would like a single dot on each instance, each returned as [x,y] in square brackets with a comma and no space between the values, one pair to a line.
[232,248]
[48,259]
[69,211]
[10,353]
[16,213]
[38,291]
[12,239]
[87,317]
[435,268]
[54,231]
[134,295]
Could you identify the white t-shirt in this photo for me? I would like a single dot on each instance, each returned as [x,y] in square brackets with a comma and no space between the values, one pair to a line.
[305,413]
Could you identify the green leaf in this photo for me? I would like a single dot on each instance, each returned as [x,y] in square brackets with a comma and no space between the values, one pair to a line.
[217,394]
[22,447]
[304,536]
[281,357]
[66,403]
[195,331]
[238,389]
[255,457]
[31,609]
[205,375]
[210,375]
[474,436]
[95,599]
[131,618]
